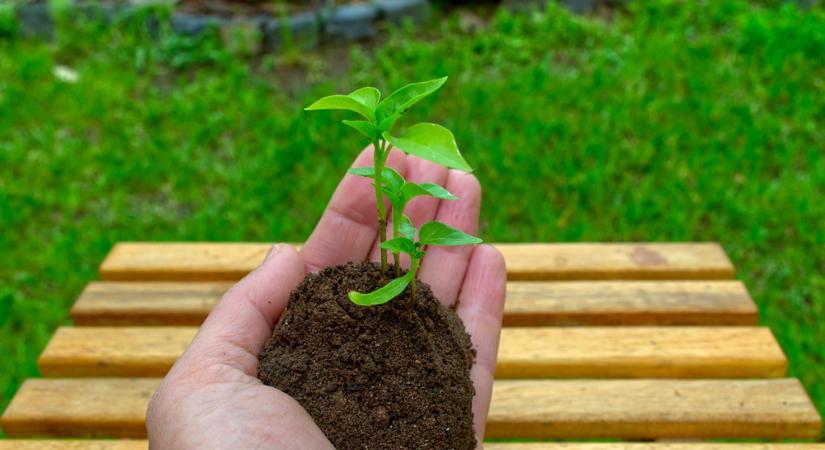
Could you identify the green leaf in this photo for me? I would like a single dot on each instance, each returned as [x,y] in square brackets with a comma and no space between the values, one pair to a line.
[362,101]
[411,190]
[389,110]
[368,172]
[431,142]
[437,233]
[368,96]
[392,179]
[366,128]
[400,245]
[406,228]
[384,294]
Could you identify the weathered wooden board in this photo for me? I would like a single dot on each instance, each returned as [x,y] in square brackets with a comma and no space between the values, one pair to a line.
[135,444]
[576,303]
[652,409]
[650,446]
[596,261]
[79,408]
[80,444]
[641,409]
[529,303]
[524,352]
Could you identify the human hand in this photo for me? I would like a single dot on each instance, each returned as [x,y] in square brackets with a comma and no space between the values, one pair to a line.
[212,397]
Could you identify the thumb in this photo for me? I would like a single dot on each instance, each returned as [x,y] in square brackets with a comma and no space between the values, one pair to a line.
[241,323]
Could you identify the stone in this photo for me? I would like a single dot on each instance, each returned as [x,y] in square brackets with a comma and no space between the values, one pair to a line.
[36,20]
[396,11]
[192,25]
[301,30]
[579,6]
[350,22]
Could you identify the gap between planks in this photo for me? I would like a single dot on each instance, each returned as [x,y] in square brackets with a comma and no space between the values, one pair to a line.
[201,261]
[135,444]
[530,409]
[570,352]
[529,303]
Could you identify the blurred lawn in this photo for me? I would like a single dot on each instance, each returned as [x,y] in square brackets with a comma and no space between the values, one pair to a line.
[674,121]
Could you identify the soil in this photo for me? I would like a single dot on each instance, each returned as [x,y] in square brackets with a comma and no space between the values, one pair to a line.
[394,376]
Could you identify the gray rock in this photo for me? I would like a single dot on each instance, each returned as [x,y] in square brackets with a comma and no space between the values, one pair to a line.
[302,30]
[524,5]
[350,22]
[579,6]
[36,20]
[396,10]
[192,25]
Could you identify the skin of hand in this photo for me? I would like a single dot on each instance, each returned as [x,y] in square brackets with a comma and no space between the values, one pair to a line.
[211,397]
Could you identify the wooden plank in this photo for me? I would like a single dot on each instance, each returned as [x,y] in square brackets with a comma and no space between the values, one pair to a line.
[639,352]
[584,352]
[147,303]
[118,351]
[79,408]
[576,303]
[529,303]
[136,444]
[203,261]
[79,444]
[652,409]
[649,446]
[640,409]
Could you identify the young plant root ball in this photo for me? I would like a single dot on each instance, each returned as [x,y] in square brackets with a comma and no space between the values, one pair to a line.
[383,377]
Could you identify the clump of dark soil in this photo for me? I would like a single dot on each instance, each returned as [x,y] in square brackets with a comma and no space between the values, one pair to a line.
[394,376]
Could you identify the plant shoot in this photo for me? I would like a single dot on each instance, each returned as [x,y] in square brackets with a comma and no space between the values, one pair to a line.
[425,140]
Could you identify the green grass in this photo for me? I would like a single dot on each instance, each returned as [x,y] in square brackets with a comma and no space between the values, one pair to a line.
[673,121]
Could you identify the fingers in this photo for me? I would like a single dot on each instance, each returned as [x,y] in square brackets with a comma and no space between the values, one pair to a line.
[349,224]
[443,267]
[423,208]
[480,307]
[240,324]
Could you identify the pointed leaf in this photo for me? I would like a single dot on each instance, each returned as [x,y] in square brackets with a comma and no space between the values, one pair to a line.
[362,101]
[437,233]
[400,245]
[367,129]
[341,102]
[406,228]
[368,172]
[431,142]
[368,96]
[392,179]
[388,111]
[412,190]
[384,294]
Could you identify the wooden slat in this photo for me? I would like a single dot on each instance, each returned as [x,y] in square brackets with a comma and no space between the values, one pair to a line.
[586,352]
[230,261]
[652,409]
[135,444]
[79,444]
[650,446]
[529,303]
[79,408]
[576,303]
[642,409]
[147,303]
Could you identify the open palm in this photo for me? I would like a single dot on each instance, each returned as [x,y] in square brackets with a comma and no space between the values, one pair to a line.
[212,398]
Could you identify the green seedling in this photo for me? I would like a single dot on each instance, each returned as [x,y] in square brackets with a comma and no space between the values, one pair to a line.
[432,233]
[425,140]
[399,192]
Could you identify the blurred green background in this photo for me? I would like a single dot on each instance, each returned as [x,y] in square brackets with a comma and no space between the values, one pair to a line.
[661,121]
